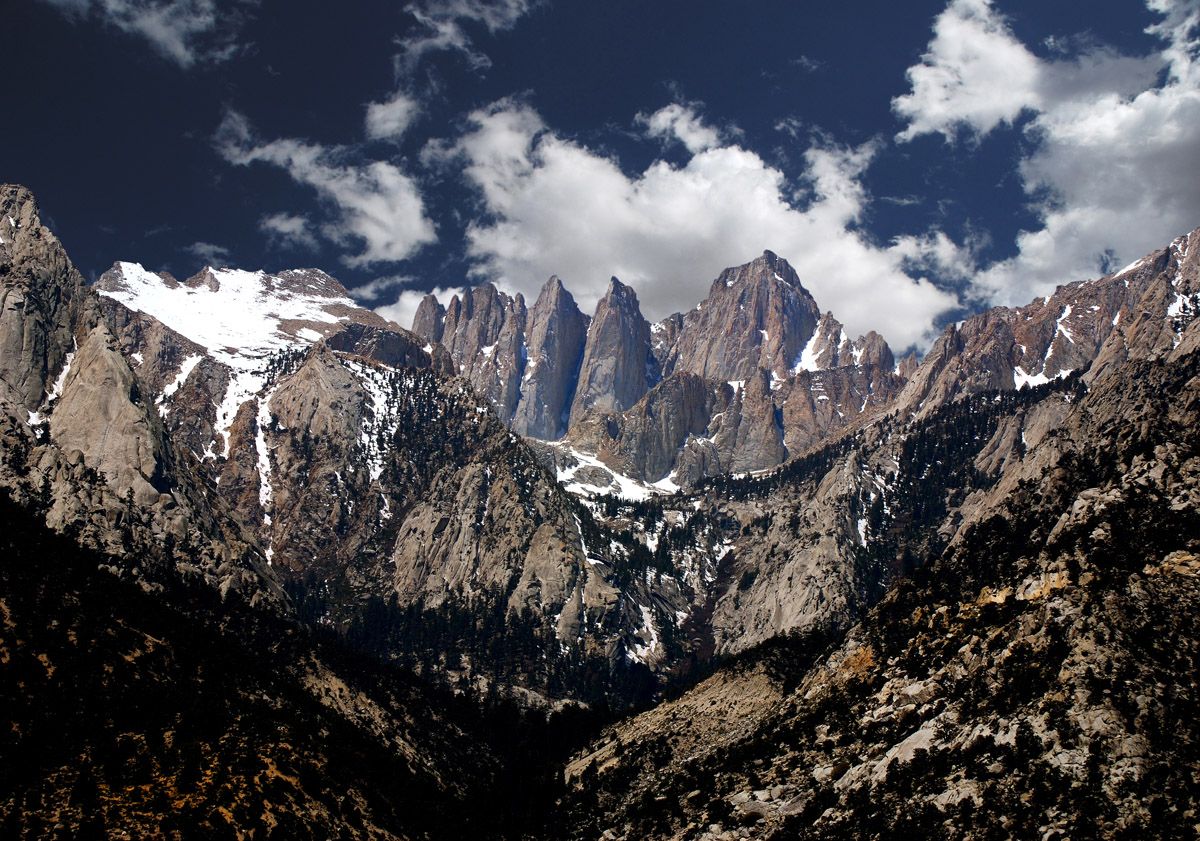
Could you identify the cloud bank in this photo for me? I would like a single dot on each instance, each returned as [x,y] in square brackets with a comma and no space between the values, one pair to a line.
[1111,171]
[553,206]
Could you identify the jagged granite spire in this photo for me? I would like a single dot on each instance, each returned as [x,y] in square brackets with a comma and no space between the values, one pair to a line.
[557,333]
[616,363]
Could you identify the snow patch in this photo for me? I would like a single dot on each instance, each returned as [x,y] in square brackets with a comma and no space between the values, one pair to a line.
[1022,379]
[807,360]
[61,380]
[238,317]
[626,487]
[1135,264]
[649,633]
[1060,327]
[265,493]
[185,371]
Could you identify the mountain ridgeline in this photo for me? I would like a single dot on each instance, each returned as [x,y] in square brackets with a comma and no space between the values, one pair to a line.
[844,594]
[753,374]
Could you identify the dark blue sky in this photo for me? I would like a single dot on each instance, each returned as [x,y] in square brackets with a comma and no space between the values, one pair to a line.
[116,136]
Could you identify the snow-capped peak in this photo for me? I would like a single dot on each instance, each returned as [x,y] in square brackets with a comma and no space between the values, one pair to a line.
[232,312]
[241,318]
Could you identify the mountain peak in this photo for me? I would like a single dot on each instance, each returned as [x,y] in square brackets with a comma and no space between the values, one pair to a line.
[756,316]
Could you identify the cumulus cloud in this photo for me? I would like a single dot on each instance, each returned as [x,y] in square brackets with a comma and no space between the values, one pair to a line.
[442,26]
[209,253]
[553,206]
[1113,139]
[974,73]
[287,230]
[682,123]
[405,306]
[373,205]
[390,119]
[182,31]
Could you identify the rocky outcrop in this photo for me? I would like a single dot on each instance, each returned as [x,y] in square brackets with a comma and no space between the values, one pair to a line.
[557,333]
[617,367]
[101,413]
[396,348]
[41,302]
[654,430]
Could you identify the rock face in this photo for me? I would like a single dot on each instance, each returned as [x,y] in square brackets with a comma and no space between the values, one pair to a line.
[40,302]
[485,334]
[616,367]
[756,317]
[99,413]
[557,334]
[430,319]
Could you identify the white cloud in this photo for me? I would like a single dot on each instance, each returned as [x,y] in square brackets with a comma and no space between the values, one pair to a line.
[405,307]
[373,290]
[555,207]
[288,230]
[389,119]
[374,204]
[936,253]
[1113,151]
[682,123]
[183,31]
[974,73]
[209,253]
[441,27]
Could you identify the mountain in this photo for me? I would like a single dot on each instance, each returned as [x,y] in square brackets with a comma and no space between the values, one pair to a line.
[756,317]
[307,454]
[832,594]
[557,338]
[753,375]
[1026,681]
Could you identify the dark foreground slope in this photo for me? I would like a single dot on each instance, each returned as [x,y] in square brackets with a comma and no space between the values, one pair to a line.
[1037,680]
[173,715]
